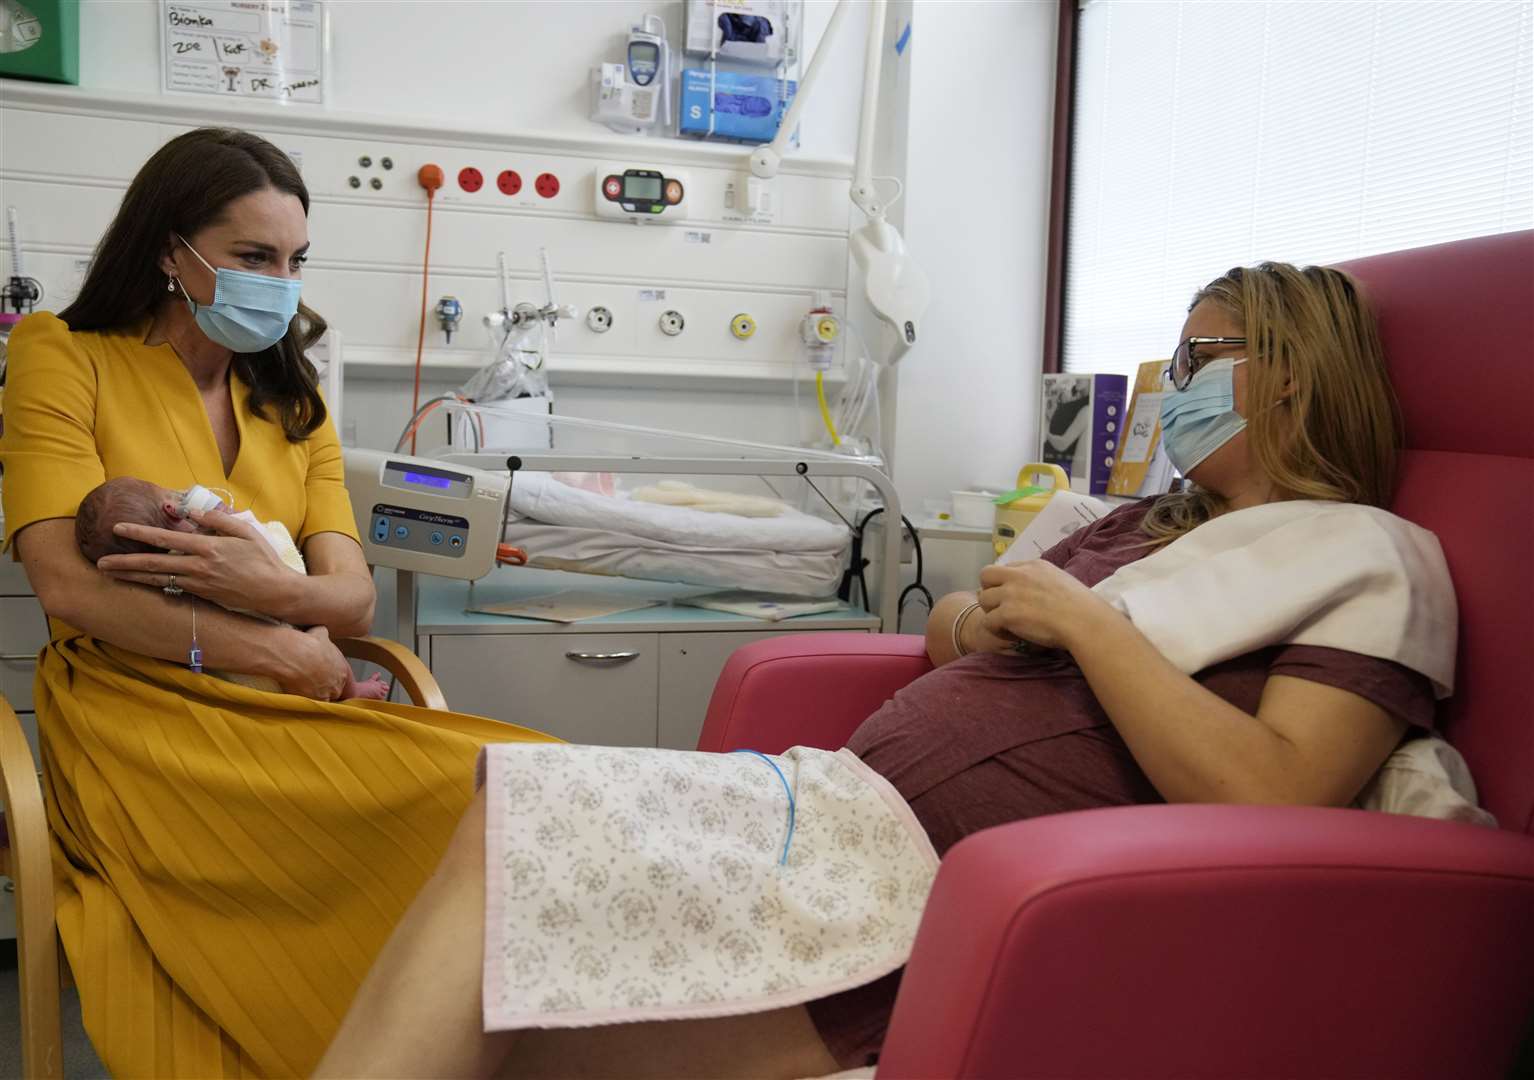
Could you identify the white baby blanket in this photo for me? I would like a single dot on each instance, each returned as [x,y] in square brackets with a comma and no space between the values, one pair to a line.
[539,496]
[1301,572]
[1425,777]
[638,884]
[680,493]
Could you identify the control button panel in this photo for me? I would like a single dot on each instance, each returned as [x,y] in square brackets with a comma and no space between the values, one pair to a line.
[420,530]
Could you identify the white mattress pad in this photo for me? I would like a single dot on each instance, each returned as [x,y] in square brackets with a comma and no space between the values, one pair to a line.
[542,498]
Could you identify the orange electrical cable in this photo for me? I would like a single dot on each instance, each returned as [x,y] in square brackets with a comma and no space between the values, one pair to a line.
[420,341]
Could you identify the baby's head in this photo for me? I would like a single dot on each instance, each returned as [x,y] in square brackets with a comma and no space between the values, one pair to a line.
[126,498]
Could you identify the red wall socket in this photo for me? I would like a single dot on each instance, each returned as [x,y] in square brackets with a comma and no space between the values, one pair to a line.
[547,185]
[470,179]
[510,182]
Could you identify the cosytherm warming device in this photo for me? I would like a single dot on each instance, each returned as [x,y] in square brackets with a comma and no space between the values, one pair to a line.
[421,515]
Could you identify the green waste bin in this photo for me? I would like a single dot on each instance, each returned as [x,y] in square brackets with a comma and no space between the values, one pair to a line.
[40,39]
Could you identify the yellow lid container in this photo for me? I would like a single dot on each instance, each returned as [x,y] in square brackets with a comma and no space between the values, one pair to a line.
[1016,509]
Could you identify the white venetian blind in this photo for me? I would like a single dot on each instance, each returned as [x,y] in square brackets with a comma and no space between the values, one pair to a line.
[1211,135]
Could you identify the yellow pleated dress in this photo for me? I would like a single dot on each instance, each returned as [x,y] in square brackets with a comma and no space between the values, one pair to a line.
[228,862]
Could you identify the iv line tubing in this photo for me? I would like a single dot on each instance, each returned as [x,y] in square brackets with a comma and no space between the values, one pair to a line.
[825,410]
[420,341]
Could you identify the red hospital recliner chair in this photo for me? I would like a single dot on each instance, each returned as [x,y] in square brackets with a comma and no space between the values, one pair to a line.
[1249,941]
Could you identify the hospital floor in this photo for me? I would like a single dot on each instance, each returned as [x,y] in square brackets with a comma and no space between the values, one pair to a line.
[80,1060]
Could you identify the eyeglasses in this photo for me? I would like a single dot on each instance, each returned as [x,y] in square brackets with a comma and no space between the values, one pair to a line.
[1185,365]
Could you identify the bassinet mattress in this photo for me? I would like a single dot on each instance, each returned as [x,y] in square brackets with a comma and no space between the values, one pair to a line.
[565,528]
[601,551]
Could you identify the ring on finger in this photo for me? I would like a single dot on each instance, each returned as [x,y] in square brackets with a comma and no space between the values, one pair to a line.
[171,588]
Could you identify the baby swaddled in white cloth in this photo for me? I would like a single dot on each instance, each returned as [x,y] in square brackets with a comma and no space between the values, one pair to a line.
[130,499]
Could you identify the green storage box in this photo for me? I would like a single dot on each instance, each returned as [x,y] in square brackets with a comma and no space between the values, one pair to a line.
[40,39]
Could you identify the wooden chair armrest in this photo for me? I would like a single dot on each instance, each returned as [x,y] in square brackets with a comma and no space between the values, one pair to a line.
[400,662]
[28,863]
[21,797]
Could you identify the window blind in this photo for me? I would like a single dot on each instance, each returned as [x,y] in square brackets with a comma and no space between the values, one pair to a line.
[1211,135]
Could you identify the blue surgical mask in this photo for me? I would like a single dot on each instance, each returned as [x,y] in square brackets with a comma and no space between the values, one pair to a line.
[249,312]
[1199,420]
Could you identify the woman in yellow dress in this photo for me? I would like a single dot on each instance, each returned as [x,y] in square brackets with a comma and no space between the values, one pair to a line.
[228,861]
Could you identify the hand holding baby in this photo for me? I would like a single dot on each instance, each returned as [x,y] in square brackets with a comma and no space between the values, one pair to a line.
[225,560]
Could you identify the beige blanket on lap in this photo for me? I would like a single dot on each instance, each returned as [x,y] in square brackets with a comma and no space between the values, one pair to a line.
[638,884]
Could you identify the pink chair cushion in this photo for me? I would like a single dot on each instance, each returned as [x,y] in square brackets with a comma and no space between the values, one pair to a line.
[1457,324]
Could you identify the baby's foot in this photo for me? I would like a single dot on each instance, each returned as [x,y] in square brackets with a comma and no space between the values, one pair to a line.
[374,688]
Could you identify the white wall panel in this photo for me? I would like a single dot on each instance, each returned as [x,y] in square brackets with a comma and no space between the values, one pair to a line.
[382,307]
[34,142]
[489,65]
[65,160]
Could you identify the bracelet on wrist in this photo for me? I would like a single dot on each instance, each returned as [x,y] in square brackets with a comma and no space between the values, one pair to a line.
[958,628]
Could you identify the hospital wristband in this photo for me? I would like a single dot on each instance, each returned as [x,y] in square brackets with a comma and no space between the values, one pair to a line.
[958,629]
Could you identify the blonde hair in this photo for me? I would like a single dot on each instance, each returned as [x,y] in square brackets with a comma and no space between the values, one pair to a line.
[1312,346]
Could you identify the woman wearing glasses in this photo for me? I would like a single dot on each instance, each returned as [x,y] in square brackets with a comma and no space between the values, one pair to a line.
[1189,674]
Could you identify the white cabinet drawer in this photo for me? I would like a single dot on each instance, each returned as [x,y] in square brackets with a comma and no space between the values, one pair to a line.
[689,667]
[23,631]
[13,579]
[585,688]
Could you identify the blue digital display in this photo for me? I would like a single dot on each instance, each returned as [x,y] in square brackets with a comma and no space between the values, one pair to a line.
[427,481]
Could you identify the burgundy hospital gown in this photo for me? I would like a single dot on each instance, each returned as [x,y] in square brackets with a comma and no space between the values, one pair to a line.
[991,738]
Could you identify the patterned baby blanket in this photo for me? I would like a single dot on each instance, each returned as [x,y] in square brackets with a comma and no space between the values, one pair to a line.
[637,884]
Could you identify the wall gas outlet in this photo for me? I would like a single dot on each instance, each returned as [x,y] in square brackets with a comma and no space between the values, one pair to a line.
[672,323]
[599,320]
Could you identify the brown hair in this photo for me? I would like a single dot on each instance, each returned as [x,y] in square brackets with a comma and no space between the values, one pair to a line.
[1312,342]
[124,498]
[183,188]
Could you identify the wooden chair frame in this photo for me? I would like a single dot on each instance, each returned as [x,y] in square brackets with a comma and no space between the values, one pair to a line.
[25,857]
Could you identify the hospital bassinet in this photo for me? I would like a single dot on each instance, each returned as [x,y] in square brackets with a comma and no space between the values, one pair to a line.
[561,525]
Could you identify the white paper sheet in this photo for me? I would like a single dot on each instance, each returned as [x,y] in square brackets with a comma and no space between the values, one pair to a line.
[1065,512]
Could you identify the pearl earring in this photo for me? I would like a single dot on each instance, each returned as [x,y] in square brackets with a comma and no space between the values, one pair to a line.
[170,283]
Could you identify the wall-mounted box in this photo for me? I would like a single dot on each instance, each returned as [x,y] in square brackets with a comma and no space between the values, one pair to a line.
[733,105]
[40,39]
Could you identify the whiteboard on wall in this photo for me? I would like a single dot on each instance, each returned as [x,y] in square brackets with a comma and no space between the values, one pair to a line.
[274,50]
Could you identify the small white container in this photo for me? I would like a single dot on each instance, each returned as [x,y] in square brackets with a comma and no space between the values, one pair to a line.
[975,508]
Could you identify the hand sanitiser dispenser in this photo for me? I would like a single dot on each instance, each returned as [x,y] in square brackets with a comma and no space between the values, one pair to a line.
[635,97]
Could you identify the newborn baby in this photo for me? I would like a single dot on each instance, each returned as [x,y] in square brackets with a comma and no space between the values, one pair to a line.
[128,498]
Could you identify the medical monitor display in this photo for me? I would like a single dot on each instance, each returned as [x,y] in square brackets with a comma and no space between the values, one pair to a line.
[644,61]
[410,476]
[427,481]
[641,187]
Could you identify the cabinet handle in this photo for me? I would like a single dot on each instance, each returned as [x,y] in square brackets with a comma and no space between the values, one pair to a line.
[601,657]
[17,657]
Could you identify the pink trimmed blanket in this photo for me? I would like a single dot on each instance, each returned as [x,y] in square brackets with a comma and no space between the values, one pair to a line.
[636,884]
